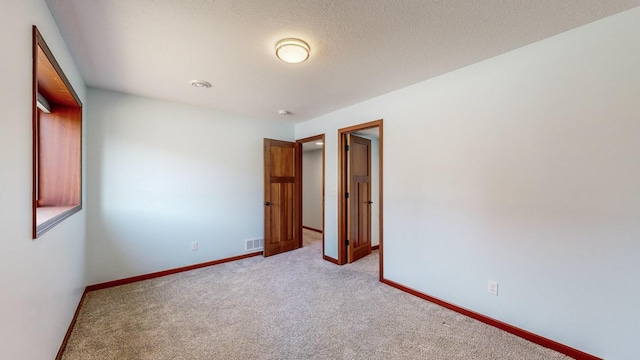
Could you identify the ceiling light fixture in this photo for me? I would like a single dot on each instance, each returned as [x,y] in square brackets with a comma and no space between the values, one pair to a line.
[319,143]
[284,112]
[200,84]
[292,51]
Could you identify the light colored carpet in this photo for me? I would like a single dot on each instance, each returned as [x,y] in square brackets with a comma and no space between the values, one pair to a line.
[289,306]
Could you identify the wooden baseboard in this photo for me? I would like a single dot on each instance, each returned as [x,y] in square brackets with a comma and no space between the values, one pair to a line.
[71,325]
[330,259]
[312,229]
[548,343]
[167,272]
[375,247]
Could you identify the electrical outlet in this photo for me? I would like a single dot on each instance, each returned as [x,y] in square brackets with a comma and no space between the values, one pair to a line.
[492,287]
[194,246]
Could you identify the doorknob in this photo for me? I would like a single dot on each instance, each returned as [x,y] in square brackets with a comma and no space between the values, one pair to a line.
[370,202]
[267,203]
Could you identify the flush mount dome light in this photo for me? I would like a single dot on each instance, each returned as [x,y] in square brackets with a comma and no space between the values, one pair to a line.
[292,51]
[201,84]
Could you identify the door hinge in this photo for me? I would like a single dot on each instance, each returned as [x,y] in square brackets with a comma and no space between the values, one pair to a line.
[346,148]
[346,195]
[346,242]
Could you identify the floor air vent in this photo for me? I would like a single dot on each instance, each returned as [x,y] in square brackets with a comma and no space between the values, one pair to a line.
[253,244]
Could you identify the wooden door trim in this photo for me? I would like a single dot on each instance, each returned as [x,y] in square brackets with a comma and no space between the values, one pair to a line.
[342,186]
[319,137]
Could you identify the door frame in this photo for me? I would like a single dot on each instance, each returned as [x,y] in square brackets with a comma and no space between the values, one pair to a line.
[299,165]
[342,188]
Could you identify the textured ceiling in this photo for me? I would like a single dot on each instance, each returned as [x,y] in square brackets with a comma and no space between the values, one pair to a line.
[359,48]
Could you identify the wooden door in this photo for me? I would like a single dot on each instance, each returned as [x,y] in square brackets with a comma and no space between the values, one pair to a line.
[359,200]
[282,230]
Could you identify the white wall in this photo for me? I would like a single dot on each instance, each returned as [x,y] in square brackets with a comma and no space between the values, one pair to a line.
[162,175]
[312,189]
[41,280]
[523,169]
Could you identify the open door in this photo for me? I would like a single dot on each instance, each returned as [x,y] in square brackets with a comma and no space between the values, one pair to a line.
[359,197]
[282,228]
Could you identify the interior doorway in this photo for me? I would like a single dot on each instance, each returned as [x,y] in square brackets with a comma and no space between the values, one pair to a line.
[312,175]
[355,201]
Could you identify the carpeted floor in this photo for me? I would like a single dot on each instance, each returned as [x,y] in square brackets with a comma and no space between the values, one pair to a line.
[289,306]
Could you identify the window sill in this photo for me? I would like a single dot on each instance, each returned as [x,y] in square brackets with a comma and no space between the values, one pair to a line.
[49,216]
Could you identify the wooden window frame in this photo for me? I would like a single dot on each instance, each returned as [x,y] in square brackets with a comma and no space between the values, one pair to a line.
[57,142]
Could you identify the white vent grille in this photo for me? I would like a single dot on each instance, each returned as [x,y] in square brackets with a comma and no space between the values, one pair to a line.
[253,244]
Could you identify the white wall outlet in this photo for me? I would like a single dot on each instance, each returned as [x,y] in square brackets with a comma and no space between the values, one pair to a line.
[492,287]
[194,246]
